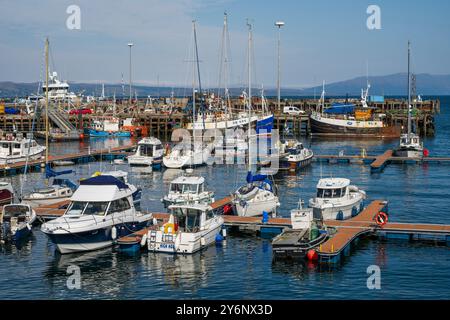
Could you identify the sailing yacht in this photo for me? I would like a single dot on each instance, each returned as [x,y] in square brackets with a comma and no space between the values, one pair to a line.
[410,144]
[183,155]
[258,195]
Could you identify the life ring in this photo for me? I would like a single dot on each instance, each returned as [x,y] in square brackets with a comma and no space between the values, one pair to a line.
[167,226]
[381,218]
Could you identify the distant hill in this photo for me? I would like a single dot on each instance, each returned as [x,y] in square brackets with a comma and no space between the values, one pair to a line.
[390,85]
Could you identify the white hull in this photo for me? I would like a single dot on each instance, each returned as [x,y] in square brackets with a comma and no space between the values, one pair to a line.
[332,211]
[256,208]
[176,161]
[81,247]
[21,158]
[186,243]
[43,201]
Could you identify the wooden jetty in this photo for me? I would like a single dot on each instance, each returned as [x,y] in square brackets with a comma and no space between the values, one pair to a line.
[80,157]
[381,161]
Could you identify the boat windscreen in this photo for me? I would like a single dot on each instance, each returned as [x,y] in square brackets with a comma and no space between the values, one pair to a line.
[15,211]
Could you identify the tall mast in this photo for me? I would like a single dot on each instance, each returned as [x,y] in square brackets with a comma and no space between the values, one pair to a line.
[46,101]
[193,83]
[249,92]
[409,90]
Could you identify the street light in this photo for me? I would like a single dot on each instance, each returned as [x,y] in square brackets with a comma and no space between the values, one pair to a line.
[130,45]
[279,24]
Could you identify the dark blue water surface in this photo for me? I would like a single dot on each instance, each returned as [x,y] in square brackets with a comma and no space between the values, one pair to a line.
[242,268]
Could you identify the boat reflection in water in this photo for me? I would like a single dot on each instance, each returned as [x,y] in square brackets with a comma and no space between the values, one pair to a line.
[188,272]
[102,275]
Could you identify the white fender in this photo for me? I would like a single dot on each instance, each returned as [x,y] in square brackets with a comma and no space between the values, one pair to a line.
[144,240]
[114,233]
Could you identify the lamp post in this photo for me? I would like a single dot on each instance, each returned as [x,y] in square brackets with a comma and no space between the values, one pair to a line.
[130,45]
[279,24]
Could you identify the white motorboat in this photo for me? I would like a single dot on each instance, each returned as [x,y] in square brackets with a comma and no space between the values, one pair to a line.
[182,156]
[190,228]
[16,221]
[18,149]
[149,152]
[297,156]
[188,190]
[410,144]
[101,210]
[336,199]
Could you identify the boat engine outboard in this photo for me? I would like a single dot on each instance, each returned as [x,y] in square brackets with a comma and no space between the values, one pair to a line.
[5,231]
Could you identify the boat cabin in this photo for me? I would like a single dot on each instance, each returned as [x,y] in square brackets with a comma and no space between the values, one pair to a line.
[12,146]
[411,140]
[115,197]
[191,218]
[187,185]
[17,212]
[150,147]
[332,188]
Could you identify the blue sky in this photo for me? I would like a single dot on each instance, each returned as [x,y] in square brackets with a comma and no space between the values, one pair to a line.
[322,39]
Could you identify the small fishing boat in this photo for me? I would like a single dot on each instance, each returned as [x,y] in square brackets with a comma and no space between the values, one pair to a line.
[187,190]
[109,127]
[297,155]
[149,152]
[337,200]
[6,193]
[101,210]
[16,221]
[17,149]
[190,228]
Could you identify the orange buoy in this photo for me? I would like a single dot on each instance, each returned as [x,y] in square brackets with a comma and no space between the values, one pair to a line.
[381,219]
[81,136]
[312,255]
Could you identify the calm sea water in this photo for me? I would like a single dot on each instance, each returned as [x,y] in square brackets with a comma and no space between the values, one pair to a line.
[242,268]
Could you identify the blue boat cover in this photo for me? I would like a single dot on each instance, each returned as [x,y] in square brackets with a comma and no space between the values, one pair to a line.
[65,182]
[104,180]
[340,108]
[258,177]
[50,173]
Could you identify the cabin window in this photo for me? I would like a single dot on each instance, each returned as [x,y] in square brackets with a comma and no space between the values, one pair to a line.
[96,208]
[189,188]
[174,187]
[337,193]
[27,145]
[319,193]
[146,151]
[192,220]
[209,214]
[415,140]
[76,208]
[119,205]
[15,211]
[16,145]
[5,145]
